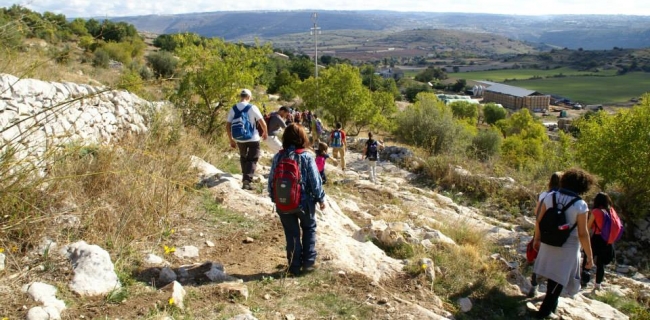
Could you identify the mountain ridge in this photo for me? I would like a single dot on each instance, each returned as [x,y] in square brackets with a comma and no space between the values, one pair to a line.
[592,32]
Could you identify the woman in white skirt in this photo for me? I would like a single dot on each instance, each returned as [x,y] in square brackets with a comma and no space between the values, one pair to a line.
[561,265]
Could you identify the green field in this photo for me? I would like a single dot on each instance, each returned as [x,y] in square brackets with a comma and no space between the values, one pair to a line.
[525,74]
[592,90]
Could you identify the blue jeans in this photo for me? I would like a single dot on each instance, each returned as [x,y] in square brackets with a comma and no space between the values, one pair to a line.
[301,251]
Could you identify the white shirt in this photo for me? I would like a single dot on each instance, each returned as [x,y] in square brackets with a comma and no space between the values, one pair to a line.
[254,115]
[571,213]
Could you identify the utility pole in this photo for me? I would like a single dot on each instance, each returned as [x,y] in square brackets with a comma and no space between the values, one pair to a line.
[315,30]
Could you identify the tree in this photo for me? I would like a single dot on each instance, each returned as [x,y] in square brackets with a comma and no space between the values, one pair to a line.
[340,94]
[459,85]
[615,147]
[283,78]
[165,42]
[214,72]
[369,79]
[303,66]
[524,139]
[465,110]
[493,113]
[411,92]
[430,74]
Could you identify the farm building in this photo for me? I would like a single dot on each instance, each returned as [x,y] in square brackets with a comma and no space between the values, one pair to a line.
[515,97]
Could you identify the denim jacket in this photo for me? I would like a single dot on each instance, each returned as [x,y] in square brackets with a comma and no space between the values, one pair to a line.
[312,185]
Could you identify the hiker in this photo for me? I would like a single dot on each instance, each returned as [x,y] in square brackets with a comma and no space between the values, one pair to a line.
[276,122]
[316,129]
[371,152]
[301,251]
[321,158]
[561,264]
[338,143]
[553,185]
[297,117]
[603,252]
[242,122]
[307,119]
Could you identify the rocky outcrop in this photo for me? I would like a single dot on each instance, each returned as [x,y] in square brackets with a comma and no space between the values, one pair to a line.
[36,116]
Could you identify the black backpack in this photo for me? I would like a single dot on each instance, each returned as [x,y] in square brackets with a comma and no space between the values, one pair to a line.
[373,152]
[553,228]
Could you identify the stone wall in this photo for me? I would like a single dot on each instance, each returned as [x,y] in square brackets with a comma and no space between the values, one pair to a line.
[36,116]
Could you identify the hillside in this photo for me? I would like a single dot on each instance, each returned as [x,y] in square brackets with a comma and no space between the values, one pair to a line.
[571,31]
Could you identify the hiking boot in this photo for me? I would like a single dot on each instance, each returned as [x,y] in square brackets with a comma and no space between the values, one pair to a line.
[598,287]
[247,186]
[309,269]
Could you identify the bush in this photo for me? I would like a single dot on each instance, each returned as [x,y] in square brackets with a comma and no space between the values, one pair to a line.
[413,90]
[465,110]
[101,59]
[429,124]
[493,113]
[486,144]
[163,63]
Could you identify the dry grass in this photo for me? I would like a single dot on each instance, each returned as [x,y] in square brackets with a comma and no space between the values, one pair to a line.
[132,192]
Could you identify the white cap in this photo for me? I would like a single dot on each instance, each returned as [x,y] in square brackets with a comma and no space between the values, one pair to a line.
[246,92]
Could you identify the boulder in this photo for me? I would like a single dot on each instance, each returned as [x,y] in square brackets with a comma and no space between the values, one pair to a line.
[166,276]
[438,237]
[94,272]
[153,260]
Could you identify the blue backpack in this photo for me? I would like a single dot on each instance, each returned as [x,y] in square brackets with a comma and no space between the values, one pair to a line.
[336,139]
[241,127]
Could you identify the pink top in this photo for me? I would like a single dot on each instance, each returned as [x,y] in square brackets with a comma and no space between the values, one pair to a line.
[320,162]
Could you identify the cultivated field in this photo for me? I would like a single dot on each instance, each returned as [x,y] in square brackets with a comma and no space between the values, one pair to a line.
[581,86]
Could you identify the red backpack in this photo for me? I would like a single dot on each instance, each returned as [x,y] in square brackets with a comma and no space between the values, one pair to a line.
[287,184]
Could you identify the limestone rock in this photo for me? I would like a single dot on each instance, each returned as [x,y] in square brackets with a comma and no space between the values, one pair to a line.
[209,243]
[249,240]
[235,289]
[45,294]
[153,260]
[94,272]
[438,237]
[2,261]
[429,268]
[465,304]
[178,293]
[187,252]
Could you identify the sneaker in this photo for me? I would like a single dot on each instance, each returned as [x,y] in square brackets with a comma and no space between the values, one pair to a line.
[247,186]
[597,287]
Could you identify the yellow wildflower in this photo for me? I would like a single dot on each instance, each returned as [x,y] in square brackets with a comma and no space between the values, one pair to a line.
[169,250]
[1,251]
[424,266]
[171,231]
[171,301]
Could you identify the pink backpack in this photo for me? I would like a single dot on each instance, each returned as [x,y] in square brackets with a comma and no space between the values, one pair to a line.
[612,228]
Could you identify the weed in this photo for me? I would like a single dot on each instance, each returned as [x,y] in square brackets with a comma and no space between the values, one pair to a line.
[630,307]
[117,296]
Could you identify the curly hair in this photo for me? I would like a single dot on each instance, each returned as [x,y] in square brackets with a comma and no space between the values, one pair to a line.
[577,180]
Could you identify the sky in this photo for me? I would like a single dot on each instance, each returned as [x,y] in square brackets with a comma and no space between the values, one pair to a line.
[113,8]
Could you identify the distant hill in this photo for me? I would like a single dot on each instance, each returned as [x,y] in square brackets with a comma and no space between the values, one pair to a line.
[572,31]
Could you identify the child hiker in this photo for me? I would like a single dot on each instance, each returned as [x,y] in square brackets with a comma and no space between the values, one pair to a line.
[321,157]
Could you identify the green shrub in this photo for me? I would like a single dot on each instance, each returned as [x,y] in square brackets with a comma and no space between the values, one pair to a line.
[429,124]
[493,113]
[464,110]
[163,63]
[101,59]
[486,144]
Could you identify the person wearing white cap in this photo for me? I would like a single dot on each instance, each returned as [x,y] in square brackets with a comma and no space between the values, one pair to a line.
[243,121]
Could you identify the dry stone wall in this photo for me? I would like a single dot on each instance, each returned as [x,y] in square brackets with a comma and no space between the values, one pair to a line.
[36,116]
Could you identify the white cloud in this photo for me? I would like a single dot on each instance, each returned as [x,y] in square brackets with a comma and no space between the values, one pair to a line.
[87,8]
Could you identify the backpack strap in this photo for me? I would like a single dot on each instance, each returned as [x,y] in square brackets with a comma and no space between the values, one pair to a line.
[238,113]
[567,206]
[596,223]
